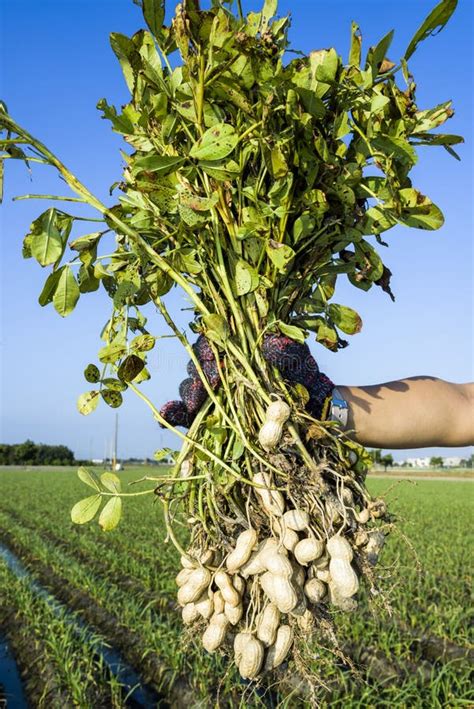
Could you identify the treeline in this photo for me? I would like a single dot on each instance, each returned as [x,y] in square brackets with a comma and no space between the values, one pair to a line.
[29,453]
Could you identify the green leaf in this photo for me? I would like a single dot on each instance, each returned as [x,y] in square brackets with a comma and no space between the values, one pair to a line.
[86,509]
[419,211]
[280,254]
[238,449]
[356,45]
[112,398]
[92,374]
[161,164]
[278,164]
[84,243]
[111,482]
[216,143]
[113,352]
[121,123]
[123,48]
[154,14]
[142,343]
[220,170]
[114,384]
[436,20]
[376,54]
[217,328]
[303,226]
[246,278]
[324,64]
[378,103]
[110,515]
[66,293]
[399,148]
[292,331]
[86,279]
[346,319]
[327,336]
[312,103]
[130,368]
[47,244]
[87,402]
[162,453]
[89,478]
[49,288]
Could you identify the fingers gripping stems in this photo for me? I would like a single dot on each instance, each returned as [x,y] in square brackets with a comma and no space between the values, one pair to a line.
[293,360]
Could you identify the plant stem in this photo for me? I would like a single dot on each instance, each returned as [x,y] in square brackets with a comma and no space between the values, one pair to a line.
[80,189]
[49,196]
[184,437]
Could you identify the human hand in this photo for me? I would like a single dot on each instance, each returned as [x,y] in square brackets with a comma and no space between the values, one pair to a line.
[293,360]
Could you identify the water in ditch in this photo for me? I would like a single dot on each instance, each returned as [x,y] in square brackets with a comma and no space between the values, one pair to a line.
[11,687]
[137,694]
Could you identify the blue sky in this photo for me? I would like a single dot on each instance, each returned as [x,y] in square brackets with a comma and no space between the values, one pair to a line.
[56,63]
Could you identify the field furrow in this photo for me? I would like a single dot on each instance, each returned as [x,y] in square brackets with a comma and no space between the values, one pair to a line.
[58,659]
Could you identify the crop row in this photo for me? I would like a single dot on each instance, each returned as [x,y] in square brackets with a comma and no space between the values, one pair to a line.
[440,592]
[149,641]
[58,660]
[126,571]
[103,561]
[378,665]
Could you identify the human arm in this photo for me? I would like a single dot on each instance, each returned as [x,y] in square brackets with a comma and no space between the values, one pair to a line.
[416,412]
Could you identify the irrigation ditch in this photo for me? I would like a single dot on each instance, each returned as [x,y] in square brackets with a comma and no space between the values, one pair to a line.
[42,685]
[164,688]
[12,694]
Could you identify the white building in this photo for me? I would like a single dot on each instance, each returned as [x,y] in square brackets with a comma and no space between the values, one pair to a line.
[418,462]
[453,462]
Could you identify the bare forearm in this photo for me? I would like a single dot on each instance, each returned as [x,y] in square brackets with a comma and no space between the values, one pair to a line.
[411,413]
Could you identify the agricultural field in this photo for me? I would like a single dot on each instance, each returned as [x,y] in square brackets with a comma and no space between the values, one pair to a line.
[90,616]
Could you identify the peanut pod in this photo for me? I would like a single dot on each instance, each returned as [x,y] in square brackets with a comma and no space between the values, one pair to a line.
[280,649]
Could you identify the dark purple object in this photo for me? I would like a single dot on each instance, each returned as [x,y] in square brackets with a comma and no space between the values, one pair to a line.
[297,365]
[293,360]
[193,393]
[176,414]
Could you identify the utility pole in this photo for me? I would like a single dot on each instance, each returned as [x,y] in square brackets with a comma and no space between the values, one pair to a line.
[114,453]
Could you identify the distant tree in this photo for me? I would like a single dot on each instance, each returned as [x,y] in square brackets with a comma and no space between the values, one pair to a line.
[29,453]
[26,453]
[387,460]
[436,461]
[6,454]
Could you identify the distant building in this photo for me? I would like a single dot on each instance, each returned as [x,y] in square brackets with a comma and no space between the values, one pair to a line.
[97,461]
[453,462]
[418,462]
[168,460]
